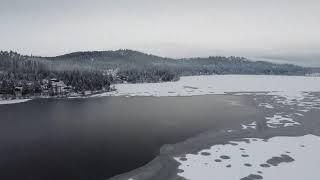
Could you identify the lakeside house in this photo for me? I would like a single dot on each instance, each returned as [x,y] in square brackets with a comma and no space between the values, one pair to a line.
[59,87]
[18,91]
[55,86]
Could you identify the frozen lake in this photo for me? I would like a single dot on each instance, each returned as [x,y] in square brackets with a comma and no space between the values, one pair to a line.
[103,136]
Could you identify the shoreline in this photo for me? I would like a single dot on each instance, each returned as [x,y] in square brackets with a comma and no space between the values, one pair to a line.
[28,98]
[284,86]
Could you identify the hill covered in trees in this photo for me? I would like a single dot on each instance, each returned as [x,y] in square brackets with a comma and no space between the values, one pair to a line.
[95,71]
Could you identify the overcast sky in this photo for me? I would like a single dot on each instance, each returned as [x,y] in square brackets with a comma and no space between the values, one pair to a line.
[175,28]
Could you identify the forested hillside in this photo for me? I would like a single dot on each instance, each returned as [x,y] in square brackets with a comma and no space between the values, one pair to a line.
[95,71]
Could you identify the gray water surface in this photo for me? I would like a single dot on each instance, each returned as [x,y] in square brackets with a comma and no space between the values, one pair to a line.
[94,139]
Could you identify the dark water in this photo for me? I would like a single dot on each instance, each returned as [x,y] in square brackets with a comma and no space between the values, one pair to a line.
[93,139]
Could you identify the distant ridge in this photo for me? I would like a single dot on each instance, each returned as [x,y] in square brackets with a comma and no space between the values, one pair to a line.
[126,59]
[126,53]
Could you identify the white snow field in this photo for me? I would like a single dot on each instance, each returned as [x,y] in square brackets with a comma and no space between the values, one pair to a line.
[286,86]
[14,101]
[294,158]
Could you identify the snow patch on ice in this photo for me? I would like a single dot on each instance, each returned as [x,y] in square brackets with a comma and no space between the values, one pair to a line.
[251,125]
[246,158]
[278,120]
[266,105]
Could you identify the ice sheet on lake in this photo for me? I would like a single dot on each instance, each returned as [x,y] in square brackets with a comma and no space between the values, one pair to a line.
[290,87]
[295,91]
[293,158]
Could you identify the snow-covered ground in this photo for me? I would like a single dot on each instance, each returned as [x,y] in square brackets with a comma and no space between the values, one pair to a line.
[286,86]
[293,158]
[13,101]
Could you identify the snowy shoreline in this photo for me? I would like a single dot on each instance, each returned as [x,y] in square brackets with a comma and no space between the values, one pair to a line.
[289,87]
[13,101]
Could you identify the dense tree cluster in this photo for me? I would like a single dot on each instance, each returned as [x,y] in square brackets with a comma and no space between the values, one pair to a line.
[85,80]
[29,73]
[147,74]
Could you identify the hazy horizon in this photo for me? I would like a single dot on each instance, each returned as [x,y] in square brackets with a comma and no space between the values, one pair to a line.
[276,29]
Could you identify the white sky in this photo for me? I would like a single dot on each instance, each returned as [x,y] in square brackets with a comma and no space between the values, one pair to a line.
[175,28]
